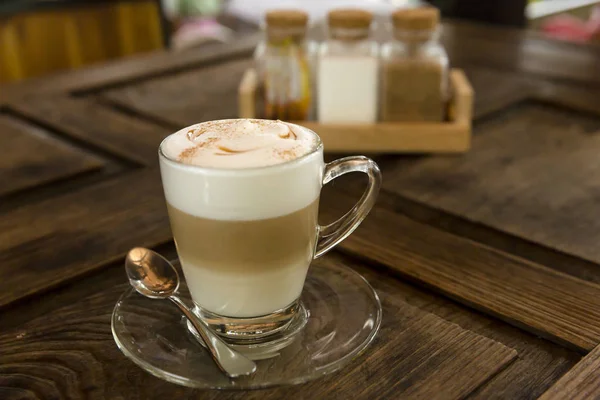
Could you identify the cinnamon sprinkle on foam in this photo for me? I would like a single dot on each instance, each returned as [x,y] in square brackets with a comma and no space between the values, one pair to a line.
[248,142]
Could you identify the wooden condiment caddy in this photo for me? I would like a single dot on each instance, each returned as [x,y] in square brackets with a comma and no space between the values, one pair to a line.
[451,136]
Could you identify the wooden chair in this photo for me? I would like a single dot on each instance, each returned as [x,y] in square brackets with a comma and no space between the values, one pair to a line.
[46,37]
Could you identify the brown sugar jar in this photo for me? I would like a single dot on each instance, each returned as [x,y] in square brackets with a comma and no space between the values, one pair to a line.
[414,68]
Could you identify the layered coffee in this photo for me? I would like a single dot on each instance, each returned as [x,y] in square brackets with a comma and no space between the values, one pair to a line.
[242,197]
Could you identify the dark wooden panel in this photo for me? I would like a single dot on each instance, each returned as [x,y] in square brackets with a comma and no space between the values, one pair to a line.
[70,353]
[532,172]
[539,363]
[469,44]
[510,36]
[491,237]
[417,357]
[186,98]
[508,88]
[581,382]
[535,298]
[91,123]
[578,98]
[31,157]
[49,242]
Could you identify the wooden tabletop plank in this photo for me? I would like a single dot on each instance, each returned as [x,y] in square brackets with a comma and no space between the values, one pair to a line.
[539,363]
[425,355]
[70,352]
[509,89]
[37,158]
[543,301]
[581,382]
[506,34]
[186,98]
[533,56]
[48,243]
[532,173]
[94,124]
[578,98]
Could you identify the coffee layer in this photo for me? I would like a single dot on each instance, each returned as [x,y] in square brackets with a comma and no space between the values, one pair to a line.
[238,143]
[245,268]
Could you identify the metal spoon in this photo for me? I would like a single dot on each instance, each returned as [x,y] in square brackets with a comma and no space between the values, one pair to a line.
[153,276]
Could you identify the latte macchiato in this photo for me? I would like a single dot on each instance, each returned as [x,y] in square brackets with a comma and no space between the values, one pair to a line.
[243,197]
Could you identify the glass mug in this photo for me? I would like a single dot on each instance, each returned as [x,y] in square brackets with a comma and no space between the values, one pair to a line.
[246,237]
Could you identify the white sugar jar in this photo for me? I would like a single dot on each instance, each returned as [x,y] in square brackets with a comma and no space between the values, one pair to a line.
[347,69]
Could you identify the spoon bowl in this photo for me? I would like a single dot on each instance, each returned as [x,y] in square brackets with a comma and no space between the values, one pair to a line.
[151,274]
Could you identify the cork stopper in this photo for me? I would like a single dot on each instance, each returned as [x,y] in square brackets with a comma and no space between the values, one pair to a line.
[286,18]
[416,19]
[350,18]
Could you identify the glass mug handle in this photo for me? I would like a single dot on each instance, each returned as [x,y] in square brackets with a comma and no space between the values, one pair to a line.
[332,234]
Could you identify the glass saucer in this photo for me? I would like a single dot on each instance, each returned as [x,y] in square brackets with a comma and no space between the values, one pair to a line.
[342,315]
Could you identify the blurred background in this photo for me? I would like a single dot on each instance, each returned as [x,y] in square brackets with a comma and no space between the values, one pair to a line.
[39,37]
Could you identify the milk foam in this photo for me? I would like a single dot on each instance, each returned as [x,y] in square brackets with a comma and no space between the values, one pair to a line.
[238,143]
[239,190]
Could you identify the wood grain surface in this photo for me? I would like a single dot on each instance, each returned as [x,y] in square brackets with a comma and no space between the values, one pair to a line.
[539,362]
[539,299]
[175,98]
[37,158]
[69,235]
[581,382]
[486,263]
[66,354]
[537,56]
[509,88]
[531,174]
[86,121]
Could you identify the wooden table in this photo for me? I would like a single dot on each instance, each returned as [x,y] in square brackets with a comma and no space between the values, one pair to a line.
[487,264]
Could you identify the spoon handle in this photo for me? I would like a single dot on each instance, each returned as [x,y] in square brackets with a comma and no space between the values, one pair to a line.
[228,360]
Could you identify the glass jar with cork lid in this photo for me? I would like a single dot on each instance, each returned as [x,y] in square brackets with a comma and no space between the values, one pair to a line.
[347,69]
[284,66]
[414,69]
